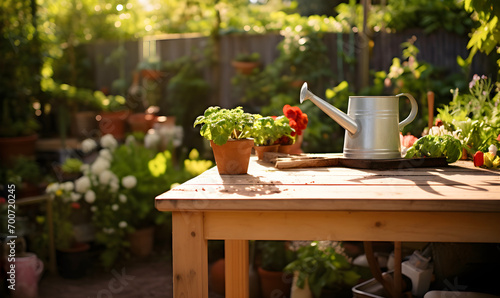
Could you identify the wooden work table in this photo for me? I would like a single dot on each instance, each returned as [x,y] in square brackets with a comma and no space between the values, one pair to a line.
[458,203]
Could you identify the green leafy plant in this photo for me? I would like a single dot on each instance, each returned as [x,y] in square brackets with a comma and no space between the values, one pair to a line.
[474,117]
[267,130]
[220,125]
[274,255]
[120,186]
[436,146]
[323,265]
[246,57]
[65,205]
[72,165]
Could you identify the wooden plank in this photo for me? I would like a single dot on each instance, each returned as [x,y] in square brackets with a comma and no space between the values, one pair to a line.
[332,197]
[355,226]
[237,266]
[190,262]
[281,161]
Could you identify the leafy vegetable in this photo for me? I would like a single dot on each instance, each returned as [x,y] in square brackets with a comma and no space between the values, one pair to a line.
[220,125]
[323,266]
[266,130]
[436,146]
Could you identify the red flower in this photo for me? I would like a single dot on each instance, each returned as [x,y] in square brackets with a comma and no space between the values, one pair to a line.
[298,120]
[75,205]
[293,125]
[498,138]
[289,112]
[2,200]
[438,122]
[478,159]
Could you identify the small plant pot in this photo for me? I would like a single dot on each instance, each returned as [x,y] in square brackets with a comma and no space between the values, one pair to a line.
[142,241]
[275,283]
[218,277]
[114,123]
[140,122]
[233,157]
[295,148]
[74,262]
[260,150]
[12,147]
[245,68]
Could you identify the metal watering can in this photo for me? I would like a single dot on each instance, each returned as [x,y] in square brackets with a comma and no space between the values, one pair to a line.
[372,124]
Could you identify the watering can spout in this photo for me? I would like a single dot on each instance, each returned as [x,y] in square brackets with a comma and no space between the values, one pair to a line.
[337,115]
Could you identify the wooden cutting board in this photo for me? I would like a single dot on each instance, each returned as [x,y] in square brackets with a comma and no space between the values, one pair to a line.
[287,161]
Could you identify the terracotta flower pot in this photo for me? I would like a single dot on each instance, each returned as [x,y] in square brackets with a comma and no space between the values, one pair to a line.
[151,74]
[73,262]
[244,67]
[233,157]
[275,284]
[141,242]
[295,148]
[84,124]
[16,146]
[260,150]
[114,123]
[218,277]
[141,122]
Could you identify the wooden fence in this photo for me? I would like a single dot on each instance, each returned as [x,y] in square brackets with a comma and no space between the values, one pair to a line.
[439,48]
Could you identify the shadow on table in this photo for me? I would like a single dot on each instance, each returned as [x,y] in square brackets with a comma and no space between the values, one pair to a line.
[426,178]
[253,186]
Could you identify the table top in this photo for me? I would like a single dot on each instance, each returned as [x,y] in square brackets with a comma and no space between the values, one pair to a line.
[457,187]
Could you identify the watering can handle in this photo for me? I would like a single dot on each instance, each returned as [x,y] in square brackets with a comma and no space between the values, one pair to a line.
[413,112]
[39,269]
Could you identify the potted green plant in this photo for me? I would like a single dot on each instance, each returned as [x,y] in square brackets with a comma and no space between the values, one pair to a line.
[72,256]
[274,256]
[324,267]
[245,63]
[25,173]
[114,115]
[266,132]
[228,131]
[21,62]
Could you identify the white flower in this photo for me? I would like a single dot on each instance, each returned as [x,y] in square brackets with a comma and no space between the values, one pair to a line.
[108,230]
[52,188]
[75,197]
[93,208]
[493,150]
[122,198]
[106,153]
[114,186]
[85,168]
[82,184]
[129,181]
[108,141]
[99,165]
[68,186]
[105,177]
[90,196]
[88,145]
[151,140]
[115,207]
[122,224]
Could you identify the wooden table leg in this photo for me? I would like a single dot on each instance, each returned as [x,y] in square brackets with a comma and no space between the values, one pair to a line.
[398,276]
[236,259]
[190,259]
